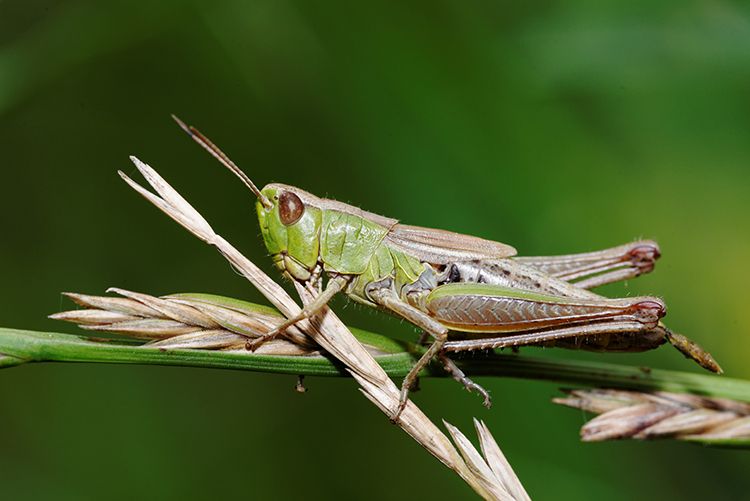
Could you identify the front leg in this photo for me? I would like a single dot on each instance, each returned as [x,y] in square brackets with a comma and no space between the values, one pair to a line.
[383,295]
[333,287]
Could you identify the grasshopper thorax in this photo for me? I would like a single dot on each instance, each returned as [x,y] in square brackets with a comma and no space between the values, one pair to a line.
[305,233]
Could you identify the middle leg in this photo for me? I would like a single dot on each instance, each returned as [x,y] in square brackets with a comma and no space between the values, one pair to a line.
[383,295]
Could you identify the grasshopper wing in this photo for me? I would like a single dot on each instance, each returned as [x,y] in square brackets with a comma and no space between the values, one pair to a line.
[444,247]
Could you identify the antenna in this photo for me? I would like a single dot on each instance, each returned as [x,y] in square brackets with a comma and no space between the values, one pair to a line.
[223,158]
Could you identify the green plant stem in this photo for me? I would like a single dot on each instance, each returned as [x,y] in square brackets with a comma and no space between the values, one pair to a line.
[20,346]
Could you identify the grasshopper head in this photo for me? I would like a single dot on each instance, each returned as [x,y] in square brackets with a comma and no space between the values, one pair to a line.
[290,228]
[289,222]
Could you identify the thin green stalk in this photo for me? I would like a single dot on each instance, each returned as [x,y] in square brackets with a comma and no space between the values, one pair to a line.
[20,346]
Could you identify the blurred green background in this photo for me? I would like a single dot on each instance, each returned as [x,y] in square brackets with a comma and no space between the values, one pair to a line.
[554,126]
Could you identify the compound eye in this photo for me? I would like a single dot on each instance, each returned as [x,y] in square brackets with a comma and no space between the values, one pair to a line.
[290,208]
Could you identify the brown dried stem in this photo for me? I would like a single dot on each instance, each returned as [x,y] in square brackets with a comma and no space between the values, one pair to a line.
[184,321]
[645,416]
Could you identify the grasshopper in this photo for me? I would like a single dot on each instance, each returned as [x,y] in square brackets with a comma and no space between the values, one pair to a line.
[466,292]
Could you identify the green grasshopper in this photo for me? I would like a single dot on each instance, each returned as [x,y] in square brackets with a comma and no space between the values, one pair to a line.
[466,292]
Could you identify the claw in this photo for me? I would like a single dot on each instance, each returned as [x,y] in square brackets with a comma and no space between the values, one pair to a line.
[402,399]
[487,400]
[254,344]
[471,386]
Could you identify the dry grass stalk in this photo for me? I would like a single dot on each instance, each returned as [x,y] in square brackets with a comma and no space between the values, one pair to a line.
[489,474]
[192,321]
[640,415]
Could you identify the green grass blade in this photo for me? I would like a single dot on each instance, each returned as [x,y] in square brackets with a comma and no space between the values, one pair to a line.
[19,346]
